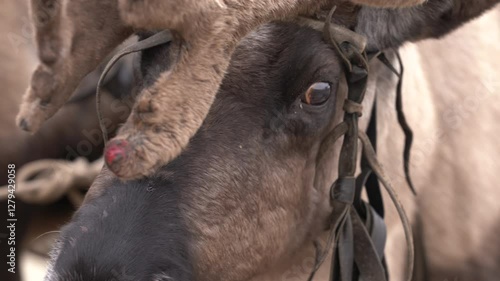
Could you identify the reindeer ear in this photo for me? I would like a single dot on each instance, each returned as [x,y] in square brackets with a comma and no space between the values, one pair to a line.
[390,28]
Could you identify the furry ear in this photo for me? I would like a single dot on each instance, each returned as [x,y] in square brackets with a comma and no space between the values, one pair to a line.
[390,28]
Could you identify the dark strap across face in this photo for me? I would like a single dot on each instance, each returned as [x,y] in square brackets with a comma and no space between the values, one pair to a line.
[357,232]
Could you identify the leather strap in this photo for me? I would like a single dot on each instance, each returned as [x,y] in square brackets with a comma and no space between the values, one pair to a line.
[367,178]
[401,117]
[356,256]
[386,183]
[366,256]
[378,231]
[157,39]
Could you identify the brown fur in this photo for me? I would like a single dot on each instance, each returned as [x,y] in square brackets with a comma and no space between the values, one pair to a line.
[389,3]
[252,196]
[70,45]
[73,36]
[67,128]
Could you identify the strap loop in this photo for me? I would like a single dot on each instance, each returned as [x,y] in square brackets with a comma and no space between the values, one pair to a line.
[343,190]
[355,256]
[353,107]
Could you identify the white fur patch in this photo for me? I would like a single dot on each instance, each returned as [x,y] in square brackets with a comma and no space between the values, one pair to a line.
[162,277]
[54,254]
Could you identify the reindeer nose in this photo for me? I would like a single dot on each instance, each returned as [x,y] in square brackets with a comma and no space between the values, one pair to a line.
[115,153]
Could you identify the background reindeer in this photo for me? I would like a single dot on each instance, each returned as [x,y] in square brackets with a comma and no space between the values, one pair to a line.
[72,132]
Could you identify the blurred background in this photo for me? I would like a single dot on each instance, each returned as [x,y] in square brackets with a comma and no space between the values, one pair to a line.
[56,165]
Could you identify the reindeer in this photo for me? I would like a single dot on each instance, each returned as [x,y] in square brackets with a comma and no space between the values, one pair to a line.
[249,194]
[74,36]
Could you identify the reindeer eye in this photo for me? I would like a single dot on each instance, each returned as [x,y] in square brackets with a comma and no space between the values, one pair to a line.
[317,94]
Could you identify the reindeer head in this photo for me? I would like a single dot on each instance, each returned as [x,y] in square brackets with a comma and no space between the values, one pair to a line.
[74,36]
[249,193]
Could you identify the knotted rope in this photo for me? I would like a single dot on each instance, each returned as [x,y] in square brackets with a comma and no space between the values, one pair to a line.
[46,181]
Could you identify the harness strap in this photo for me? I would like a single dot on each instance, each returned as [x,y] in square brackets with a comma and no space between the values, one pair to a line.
[159,38]
[378,230]
[371,157]
[374,211]
[401,117]
[355,256]
[344,259]
[367,177]
[366,255]
[339,210]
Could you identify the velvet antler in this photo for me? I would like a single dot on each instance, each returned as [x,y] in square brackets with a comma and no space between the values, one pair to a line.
[72,37]
[75,35]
